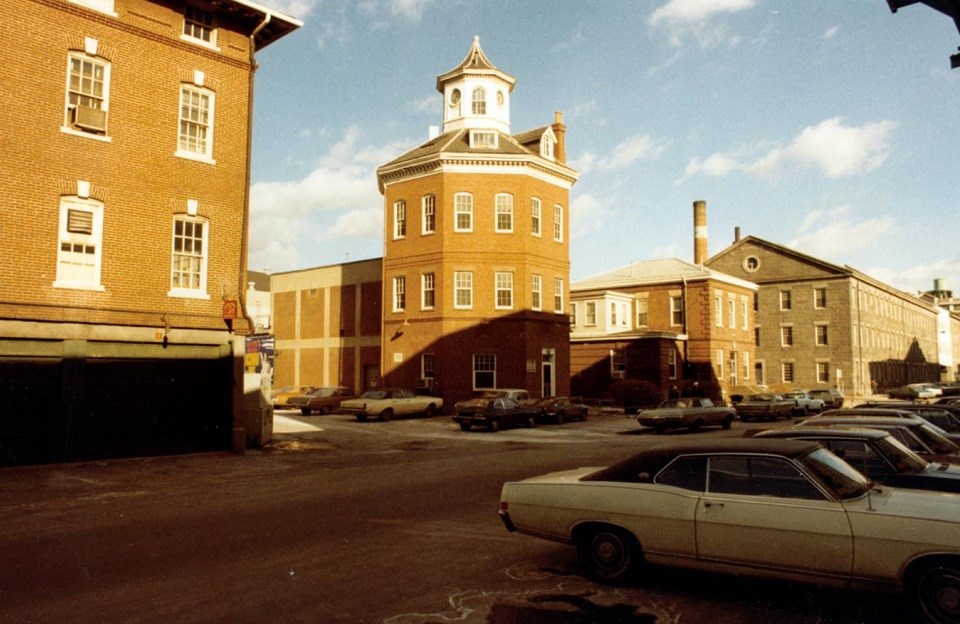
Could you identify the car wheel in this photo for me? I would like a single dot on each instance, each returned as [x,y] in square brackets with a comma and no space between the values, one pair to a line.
[431,411]
[726,422]
[559,418]
[304,411]
[583,415]
[531,422]
[362,417]
[325,410]
[938,592]
[465,426]
[607,553]
[386,414]
[494,425]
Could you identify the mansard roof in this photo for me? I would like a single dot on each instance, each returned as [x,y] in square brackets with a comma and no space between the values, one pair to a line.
[476,63]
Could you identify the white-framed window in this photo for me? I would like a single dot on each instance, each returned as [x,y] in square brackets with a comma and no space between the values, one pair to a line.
[463,212]
[462,290]
[613,314]
[535,217]
[744,319]
[823,372]
[479,101]
[399,293]
[786,336]
[718,310]
[484,371]
[504,212]
[590,314]
[503,288]
[188,273]
[428,366]
[746,365]
[558,224]
[676,310]
[399,219]
[786,300]
[574,314]
[195,138]
[731,313]
[718,362]
[79,244]
[734,368]
[618,363]
[536,291]
[786,372]
[484,139]
[821,334]
[558,295]
[88,93]
[820,298]
[672,364]
[546,146]
[427,291]
[198,26]
[429,204]
[641,305]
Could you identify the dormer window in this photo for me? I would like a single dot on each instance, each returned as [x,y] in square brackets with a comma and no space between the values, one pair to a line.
[480,139]
[546,146]
[198,26]
[479,101]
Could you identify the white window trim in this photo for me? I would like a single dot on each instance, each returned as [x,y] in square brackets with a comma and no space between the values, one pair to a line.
[507,276]
[107,67]
[191,293]
[399,218]
[508,210]
[397,281]
[207,156]
[96,237]
[536,210]
[457,213]
[431,201]
[558,223]
[558,298]
[424,290]
[475,139]
[718,310]
[536,287]
[456,289]
[214,33]
[586,314]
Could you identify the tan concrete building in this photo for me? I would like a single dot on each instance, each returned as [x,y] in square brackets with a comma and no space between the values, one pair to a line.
[679,326]
[125,215]
[820,324]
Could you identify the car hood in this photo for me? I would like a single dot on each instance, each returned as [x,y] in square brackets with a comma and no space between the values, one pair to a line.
[913,504]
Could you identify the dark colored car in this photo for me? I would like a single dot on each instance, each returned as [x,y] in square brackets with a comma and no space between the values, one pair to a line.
[496,414]
[943,415]
[899,412]
[914,432]
[831,397]
[559,410]
[323,400]
[878,455]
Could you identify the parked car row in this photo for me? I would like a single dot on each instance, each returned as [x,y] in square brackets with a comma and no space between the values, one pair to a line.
[811,503]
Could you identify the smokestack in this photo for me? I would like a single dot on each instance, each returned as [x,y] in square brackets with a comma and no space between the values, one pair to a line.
[560,131]
[736,234]
[699,232]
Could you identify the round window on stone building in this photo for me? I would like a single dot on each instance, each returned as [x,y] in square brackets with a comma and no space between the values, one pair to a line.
[751,263]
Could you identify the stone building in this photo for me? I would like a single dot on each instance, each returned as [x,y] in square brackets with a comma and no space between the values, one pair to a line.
[124,212]
[819,324]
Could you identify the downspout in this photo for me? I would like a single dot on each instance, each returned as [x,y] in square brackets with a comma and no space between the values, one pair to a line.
[245,233]
[686,343]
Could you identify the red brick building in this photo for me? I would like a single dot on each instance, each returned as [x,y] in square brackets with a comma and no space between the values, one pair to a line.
[125,219]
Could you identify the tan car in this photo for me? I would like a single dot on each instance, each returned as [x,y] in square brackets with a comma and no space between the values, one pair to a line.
[785,509]
[323,400]
[281,396]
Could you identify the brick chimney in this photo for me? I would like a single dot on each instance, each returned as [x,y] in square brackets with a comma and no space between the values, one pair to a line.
[560,150]
[699,232]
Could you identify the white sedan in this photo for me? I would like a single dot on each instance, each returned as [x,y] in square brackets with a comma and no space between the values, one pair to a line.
[389,402]
[779,508]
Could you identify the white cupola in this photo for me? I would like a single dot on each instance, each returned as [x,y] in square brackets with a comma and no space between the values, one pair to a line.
[476,95]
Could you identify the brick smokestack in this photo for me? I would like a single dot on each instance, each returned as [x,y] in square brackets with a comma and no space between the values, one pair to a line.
[699,232]
[560,130]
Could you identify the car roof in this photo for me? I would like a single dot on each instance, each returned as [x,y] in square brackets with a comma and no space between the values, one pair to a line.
[653,459]
[841,432]
[871,411]
[853,419]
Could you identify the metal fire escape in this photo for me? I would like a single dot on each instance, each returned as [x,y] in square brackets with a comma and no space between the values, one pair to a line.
[950,8]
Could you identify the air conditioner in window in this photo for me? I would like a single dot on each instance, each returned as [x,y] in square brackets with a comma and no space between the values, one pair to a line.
[618,374]
[87,118]
[425,383]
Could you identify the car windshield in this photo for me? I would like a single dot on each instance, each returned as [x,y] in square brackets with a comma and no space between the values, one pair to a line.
[374,394]
[321,392]
[934,439]
[899,455]
[836,474]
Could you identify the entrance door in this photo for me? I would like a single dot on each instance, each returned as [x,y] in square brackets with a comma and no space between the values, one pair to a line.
[548,384]
[371,376]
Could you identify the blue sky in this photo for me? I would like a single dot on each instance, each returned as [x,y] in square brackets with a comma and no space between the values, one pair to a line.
[829,126]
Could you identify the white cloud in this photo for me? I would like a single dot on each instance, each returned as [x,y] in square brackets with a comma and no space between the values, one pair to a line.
[830,147]
[920,278]
[836,234]
[831,32]
[338,199]
[294,8]
[587,215]
[637,147]
[683,18]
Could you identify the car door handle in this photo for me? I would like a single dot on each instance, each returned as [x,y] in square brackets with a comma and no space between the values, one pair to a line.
[711,504]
